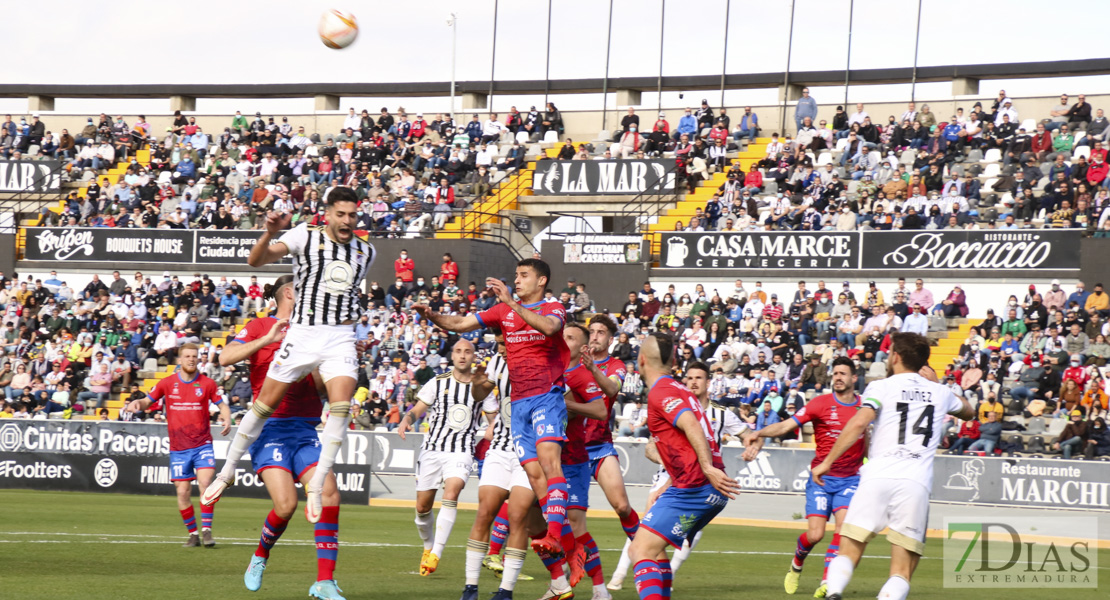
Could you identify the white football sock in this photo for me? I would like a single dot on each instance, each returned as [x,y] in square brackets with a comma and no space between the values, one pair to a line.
[681,555]
[335,430]
[514,562]
[444,522]
[840,574]
[475,552]
[896,588]
[245,434]
[424,526]
[624,563]
[560,583]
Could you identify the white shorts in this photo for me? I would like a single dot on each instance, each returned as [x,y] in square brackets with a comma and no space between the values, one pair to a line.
[329,348]
[660,479]
[502,469]
[434,467]
[900,504]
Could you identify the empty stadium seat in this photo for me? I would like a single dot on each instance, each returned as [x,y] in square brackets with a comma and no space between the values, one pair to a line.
[993,155]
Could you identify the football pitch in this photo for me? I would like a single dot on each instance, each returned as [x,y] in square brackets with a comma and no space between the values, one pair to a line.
[90,546]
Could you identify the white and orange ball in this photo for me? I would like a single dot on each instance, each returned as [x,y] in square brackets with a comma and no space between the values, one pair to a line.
[337,29]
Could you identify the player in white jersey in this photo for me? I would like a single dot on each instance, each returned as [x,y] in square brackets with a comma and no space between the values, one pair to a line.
[456,400]
[894,487]
[329,263]
[723,422]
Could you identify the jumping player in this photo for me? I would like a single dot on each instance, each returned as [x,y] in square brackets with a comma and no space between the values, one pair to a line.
[288,447]
[329,262]
[605,466]
[537,357]
[722,422]
[185,396]
[828,413]
[447,455]
[895,484]
[699,487]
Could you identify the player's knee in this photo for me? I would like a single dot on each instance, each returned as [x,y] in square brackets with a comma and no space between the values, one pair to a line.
[285,507]
[815,534]
[623,508]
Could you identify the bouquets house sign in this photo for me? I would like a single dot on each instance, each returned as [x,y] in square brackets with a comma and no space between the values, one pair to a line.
[874,250]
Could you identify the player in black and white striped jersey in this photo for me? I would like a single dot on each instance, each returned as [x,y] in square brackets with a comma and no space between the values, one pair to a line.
[329,263]
[501,472]
[455,401]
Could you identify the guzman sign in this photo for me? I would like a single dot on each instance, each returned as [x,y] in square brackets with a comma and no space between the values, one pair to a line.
[594,249]
[603,177]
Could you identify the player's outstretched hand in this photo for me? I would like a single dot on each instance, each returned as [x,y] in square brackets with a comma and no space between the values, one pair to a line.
[227,427]
[277,332]
[277,221]
[751,451]
[819,472]
[728,486]
[478,375]
[499,289]
[423,310]
[403,427]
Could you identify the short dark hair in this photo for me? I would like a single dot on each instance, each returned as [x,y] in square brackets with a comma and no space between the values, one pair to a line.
[341,194]
[843,361]
[913,348]
[666,346]
[605,322]
[697,364]
[579,327]
[539,266]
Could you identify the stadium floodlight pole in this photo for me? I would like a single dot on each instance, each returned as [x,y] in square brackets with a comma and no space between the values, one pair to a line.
[659,82]
[605,81]
[786,74]
[916,44]
[848,62]
[492,59]
[453,22]
[547,59]
[724,53]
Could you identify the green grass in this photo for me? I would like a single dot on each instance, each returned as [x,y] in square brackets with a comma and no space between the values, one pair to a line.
[89,546]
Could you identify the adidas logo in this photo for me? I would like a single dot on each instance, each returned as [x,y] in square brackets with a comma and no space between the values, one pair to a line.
[759,475]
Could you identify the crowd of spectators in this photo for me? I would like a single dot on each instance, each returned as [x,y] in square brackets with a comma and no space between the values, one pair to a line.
[985,169]
[412,175]
[1036,361]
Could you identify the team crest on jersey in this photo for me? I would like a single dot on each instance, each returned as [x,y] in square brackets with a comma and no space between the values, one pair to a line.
[199,392]
[539,429]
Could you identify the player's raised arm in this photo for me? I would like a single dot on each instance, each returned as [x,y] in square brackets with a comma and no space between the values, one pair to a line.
[454,323]
[236,350]
[263,252]
[610,386]
[964,412]
[852,431]
[548,325]
[777,429]
[690,426]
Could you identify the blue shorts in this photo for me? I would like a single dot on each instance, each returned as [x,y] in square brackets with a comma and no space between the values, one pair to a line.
[184,464]
[290,444]
[823,501]
[538,419]
[599,453]
[578,485]
[679,513]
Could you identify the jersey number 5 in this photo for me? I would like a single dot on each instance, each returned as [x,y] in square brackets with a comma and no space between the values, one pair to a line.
[285,351]
[923,425]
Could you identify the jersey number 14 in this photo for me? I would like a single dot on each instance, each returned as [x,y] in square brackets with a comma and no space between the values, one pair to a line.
[922,426]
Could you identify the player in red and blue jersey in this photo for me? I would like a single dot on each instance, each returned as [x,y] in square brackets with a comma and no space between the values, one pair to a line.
[185,397]
[699,487]
[608,372]
[585,405]
[288,447]
[828,413]
[537,357]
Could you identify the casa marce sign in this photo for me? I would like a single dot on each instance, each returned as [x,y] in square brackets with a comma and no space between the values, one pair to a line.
[1020,250]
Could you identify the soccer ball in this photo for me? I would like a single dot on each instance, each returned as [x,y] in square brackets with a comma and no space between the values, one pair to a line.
[337,29]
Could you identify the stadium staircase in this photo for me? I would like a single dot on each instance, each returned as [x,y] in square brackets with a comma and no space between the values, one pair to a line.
[483,215]
[948,346]
[149,378]
[59,207]
[688,206]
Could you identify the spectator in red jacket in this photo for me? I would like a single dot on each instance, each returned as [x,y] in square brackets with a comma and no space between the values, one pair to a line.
[753,182]
[969,433]
[403,268]
[1042,142]
[254,295]
[449,270]
[1097,170]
